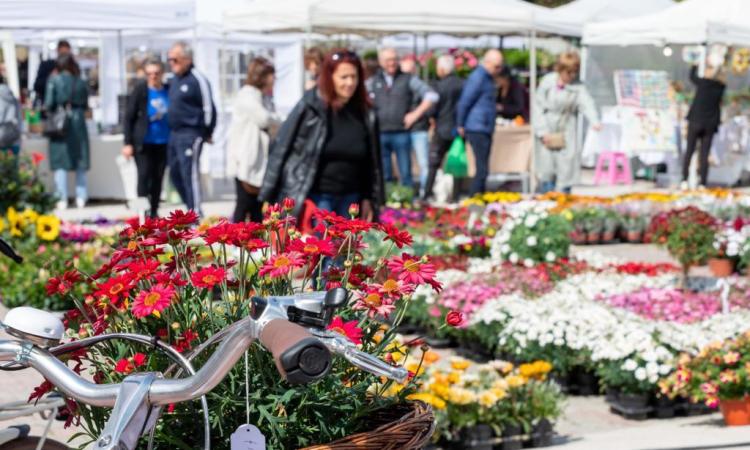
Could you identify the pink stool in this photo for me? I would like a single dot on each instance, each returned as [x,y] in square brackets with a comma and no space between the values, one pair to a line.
[612,174]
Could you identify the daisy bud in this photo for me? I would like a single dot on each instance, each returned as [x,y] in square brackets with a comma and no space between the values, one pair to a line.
[348,263]
[288,204]
[175,325]
[354,210]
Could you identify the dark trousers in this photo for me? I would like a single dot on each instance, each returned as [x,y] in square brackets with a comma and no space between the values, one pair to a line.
[705,133]
[438,149]
[481,144]
[151,162]
[183,154]
[247,205]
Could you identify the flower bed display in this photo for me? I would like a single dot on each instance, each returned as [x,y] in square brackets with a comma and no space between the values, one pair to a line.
[183,283]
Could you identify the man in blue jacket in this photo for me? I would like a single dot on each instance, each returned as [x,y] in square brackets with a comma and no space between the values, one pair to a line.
[192,119]
[475,114]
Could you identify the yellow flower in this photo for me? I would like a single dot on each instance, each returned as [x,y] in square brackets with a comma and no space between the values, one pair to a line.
[431,357]
[454,377]
[15,221]
[500,385]
[460,363]
[415,368]
[29,215]
[440,389]
[487,399]
[397,351]
[3,224]
[435,402]
[515,380]
[461,396]
[499,393]
[48,228]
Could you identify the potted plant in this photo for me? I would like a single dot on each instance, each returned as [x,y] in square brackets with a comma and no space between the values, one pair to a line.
[594,224]
[611,224]
[545,406]
[727,246]
[532,238]
[633,225]
[634,379]
[170,278]
[719,375]
[688,233]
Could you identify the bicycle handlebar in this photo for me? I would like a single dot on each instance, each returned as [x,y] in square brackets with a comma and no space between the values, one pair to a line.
[8,251]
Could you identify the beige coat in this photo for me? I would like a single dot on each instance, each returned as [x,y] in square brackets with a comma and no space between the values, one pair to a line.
[247,144]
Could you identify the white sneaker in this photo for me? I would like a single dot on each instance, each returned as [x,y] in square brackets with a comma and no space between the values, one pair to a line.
[62,205]
[684,186]
[80,203]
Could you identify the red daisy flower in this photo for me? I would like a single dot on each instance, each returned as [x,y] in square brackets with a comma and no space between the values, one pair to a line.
[311,245]
[41,390]
[348,329]
[374,303]
[184,340]
[152,301]
[414,270]
[62,285]
[180,219]
[354,226]
[282,264]
[221,233]
[115,288]
[394,288]
[256,244]
[128,365]
[208,277]
[400,238]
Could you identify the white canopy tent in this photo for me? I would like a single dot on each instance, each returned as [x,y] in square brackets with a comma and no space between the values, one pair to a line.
[689,22]
[583,12]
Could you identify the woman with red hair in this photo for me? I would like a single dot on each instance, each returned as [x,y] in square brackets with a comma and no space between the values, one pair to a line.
[327,150]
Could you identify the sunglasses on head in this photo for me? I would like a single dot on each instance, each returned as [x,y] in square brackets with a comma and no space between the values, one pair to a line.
[345,54]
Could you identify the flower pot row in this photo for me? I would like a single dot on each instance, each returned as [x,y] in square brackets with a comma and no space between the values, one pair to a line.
[644,405]
[512,437]
[580,237]
[579,381]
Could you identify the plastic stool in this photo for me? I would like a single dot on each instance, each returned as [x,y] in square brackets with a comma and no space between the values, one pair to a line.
[306,222]
[612,174]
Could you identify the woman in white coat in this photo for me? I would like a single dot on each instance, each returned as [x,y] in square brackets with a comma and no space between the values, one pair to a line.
[249,139]
[559,99]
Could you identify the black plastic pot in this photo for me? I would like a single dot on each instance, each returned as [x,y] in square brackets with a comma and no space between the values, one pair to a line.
[633,401]
[410,328]
[479,437]
[512,438]
[611,394]
[585,381]
[664,407]
[542,433]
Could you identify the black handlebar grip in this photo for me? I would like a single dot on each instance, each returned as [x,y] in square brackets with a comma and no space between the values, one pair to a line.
[300,357]
[8,251]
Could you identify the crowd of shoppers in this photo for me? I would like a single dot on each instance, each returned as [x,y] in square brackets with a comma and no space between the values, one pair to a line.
[337,145]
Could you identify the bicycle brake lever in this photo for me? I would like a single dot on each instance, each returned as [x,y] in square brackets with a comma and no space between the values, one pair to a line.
[340,345]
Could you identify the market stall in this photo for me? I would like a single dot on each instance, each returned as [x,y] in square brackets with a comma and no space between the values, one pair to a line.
[669,40]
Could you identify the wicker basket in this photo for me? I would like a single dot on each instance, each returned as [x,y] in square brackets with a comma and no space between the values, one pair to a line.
[407,426]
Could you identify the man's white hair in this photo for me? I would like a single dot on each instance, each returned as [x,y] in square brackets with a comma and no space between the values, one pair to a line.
[446,63]
[185,48]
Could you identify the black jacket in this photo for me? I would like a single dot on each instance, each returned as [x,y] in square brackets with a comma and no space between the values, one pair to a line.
[42,76]
[449,90]
[295,153]
[191,104]
[136,116]
[706,107]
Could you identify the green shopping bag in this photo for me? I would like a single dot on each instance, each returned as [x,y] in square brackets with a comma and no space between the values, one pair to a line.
[455,162]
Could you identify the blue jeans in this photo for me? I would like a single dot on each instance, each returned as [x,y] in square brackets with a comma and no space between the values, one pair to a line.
[481,145]
[61,184]
[337,203]
[420,142]
[399,142]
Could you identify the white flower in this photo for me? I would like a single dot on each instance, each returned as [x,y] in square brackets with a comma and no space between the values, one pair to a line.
[528,262]
[531,220]
[640,374]
[630,365]
[513,258]
[550,256]
[531,241]
[505,248]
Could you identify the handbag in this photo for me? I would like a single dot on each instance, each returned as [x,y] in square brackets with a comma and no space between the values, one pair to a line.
[556,141]
[9,134]
[456,163]
[57,123]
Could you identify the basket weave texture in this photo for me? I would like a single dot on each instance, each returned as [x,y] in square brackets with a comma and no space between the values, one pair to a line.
[407,426]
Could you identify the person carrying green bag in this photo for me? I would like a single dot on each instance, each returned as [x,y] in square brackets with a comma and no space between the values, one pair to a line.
[444,117]
[455,162]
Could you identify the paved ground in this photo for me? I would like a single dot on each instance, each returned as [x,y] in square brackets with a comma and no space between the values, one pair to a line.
[587,424]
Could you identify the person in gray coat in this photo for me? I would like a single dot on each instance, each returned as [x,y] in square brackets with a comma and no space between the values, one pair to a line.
[10,120]
[559,98]
[70,153]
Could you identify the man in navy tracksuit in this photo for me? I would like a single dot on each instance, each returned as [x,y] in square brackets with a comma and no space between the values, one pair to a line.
[192,118]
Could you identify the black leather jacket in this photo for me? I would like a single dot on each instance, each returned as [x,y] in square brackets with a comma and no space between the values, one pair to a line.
[295,153]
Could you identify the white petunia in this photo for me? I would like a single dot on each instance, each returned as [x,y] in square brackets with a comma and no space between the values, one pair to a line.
[513,258]
[550,256]
[528,262]
[640,374]
[630,365]
[531,241]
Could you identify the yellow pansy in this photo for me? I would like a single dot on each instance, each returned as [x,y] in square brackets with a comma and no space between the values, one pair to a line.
[48,228]
[15,222]
[29,215]
[487,399]
[434,401]
[461,396]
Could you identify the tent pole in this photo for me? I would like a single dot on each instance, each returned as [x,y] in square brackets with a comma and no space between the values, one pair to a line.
[121,55]
[532,101]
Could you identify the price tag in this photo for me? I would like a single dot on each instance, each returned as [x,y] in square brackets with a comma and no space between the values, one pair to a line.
[248,437]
